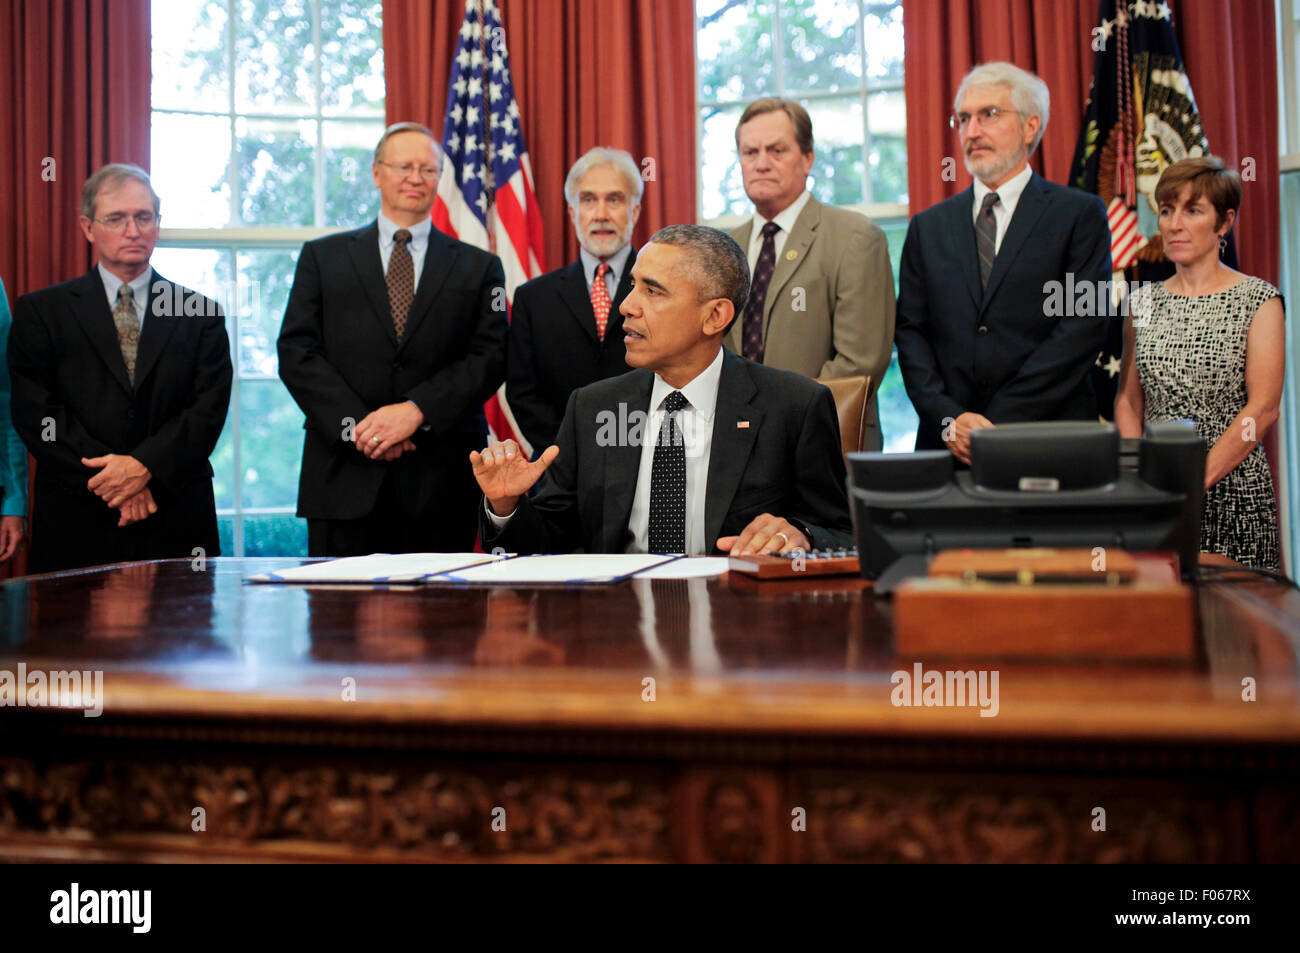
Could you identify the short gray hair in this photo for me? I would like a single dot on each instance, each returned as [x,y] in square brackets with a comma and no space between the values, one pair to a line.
[397,127]
[603,155]
[111,177]
[1029,94]
[719,266]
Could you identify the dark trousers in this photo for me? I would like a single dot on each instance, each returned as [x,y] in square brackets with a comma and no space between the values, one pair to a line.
[73,529]
[448,523]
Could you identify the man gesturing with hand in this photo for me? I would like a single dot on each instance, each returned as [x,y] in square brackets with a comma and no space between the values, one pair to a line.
[696,451]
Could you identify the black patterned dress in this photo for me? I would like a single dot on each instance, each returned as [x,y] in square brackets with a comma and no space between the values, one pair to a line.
[1191,363]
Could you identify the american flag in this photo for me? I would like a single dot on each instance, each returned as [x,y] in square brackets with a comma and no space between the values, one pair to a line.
[485,194]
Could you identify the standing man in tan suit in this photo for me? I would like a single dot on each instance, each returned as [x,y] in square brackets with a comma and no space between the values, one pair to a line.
[822,298]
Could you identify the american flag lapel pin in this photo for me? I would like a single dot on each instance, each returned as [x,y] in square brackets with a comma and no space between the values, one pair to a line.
[742,424]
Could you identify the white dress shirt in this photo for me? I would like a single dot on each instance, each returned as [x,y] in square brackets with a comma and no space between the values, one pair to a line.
[784,219]
[417,246]
[1008,198]
[696,422]
[617,263]
[139,290]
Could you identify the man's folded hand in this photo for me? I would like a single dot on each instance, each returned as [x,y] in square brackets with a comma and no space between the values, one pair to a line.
[386,427]
[137,508]
[120,477]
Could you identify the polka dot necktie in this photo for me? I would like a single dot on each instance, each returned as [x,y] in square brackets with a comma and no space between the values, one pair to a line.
[668,483]
[986,231]
[600,303]
[401,281]
[752,330]
[128,329]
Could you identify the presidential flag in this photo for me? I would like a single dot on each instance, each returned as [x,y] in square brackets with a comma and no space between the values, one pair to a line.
[485,195]
[1140,117]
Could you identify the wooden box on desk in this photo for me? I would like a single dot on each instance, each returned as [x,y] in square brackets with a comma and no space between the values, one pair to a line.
[1150,618]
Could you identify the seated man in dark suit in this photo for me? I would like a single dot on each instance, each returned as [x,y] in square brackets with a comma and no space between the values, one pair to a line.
[121,381]
[696,450]
[977,344]
[565,327]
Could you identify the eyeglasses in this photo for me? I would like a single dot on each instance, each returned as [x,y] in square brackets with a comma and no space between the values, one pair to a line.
[987,116]
[117,222]
[427,172]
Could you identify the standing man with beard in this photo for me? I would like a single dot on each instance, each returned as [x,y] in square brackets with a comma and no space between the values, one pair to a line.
[566,330]
[975,342]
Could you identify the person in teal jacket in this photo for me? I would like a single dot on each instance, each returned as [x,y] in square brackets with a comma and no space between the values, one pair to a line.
[13,455]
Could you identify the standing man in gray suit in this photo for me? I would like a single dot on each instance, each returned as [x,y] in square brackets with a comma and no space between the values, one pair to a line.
[822,301]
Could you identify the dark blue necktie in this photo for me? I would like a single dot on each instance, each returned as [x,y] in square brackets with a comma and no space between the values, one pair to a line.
[668,483]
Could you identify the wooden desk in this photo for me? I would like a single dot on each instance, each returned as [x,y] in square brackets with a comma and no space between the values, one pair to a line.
[226,701]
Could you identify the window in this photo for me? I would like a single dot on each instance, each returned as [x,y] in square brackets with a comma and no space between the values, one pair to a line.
[843,61]
[265,116]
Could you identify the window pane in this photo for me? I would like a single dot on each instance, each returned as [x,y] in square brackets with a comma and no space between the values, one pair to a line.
[898,418]
[277,535]
[351,198]
[203,269]
[887,116]
[270,444]
[724,189]
[274,56]
[226,534]
[276,171]
[265,278]
[223,466]
[734,50]
[190,65]
[820,43]
[883,23]
[837,174]
[352,58]
[190,159]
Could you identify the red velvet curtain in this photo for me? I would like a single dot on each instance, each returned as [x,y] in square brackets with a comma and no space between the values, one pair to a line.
[587,73]
[74,79]
[1228,46]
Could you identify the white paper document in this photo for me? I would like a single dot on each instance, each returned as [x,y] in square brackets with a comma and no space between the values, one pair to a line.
[378,567]
[558,569]
[688,567]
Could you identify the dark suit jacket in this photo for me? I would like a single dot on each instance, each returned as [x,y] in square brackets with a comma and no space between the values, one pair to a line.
[998,353]
[340,359]
[72,399]
[787,462]
[554,349]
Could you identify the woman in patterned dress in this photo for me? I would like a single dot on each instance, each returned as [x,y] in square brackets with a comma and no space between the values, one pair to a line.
[1209,345]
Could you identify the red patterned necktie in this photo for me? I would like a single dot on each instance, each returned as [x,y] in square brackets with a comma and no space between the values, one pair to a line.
[600,303]
[400,280]
[751,331]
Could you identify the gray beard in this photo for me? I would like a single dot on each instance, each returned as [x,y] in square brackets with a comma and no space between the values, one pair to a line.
[996,172]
